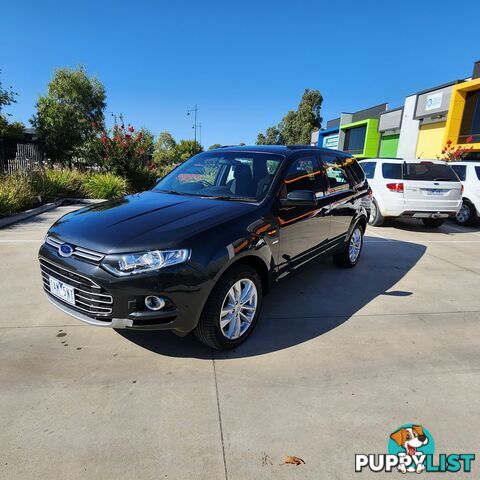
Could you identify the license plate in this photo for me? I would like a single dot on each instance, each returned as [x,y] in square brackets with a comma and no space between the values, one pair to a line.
[63,291]
[435,192]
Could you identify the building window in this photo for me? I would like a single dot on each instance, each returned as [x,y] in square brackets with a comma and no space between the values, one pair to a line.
[355,140]
[470,126]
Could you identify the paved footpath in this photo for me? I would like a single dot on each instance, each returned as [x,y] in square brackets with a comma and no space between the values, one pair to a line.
[339,360]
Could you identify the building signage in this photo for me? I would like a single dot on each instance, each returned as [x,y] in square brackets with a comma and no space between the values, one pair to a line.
[331,141]
[434,101]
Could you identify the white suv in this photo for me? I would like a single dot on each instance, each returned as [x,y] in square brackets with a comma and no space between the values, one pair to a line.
[469,174]
[425,189]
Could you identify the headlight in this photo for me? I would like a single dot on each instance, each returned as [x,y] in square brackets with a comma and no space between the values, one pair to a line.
[133,263]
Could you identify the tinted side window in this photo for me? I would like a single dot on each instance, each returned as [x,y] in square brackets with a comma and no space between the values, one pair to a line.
[304,174]
[392,170]
[461,171]
[477,171]
[336,172]
[369,168]
[355,171]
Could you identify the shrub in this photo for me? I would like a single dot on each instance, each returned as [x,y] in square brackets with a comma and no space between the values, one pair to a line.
[124,149]
[104,185]
[16,194]
[52,184]
[142,179]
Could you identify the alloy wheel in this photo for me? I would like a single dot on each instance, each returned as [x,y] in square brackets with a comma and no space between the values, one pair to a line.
[238,309]
[355,245]
[464,213]
[373,212]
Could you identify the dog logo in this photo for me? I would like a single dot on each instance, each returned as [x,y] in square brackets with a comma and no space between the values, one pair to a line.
[411,449]
[411,439]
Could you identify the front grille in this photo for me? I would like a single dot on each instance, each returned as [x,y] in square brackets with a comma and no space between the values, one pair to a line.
[79,252]
[89,297]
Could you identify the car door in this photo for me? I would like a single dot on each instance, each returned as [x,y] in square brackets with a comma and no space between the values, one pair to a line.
[303,230]
[340,194]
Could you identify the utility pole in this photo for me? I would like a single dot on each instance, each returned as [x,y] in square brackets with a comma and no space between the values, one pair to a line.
[195,125]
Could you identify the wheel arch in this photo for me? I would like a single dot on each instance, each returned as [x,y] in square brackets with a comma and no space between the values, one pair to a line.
[255,262]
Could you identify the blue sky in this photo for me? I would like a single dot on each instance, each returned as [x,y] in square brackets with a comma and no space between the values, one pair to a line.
[244,63]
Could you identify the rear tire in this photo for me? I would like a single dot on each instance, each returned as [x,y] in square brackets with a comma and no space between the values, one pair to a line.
[432,222]
[350,255]
[376,219]
[467,215]
[209,329]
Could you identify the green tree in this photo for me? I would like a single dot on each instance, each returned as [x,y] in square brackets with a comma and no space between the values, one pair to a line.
[7,95]
[12,130]
[188,148]
[214,146]
[166,150]
[273,136]
[296,126]
[69,116]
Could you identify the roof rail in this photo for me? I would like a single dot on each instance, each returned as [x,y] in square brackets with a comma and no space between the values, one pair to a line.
[298,147]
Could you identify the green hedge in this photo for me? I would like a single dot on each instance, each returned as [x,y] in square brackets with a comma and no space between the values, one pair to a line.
[104,185]
[22,191]
[17,194]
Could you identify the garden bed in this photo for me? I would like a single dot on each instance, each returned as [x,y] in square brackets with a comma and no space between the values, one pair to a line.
[23,191]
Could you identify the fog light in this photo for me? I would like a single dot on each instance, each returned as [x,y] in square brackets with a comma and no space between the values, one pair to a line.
[154,303]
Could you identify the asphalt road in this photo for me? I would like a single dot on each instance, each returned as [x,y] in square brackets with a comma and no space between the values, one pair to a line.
[339,360]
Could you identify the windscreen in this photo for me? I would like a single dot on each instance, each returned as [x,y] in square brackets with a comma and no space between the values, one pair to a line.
[226,175]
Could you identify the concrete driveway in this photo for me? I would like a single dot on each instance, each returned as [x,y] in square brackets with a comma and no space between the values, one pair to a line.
[339,360]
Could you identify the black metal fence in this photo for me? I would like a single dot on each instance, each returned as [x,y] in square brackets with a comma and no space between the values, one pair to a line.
[20,156]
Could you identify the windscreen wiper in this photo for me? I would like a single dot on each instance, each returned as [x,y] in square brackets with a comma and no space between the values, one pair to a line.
[229,197]
[174,192]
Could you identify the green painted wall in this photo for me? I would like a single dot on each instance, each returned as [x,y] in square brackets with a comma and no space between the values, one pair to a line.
[389,146]
[372,136]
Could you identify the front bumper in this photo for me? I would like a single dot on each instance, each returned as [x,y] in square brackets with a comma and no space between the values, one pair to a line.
[184,287]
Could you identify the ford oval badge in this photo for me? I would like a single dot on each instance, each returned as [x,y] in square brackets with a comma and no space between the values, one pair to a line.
[65,250]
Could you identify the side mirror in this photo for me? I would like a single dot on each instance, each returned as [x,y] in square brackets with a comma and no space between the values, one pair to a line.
[300,198]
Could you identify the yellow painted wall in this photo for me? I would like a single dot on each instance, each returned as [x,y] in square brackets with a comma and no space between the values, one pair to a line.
[430,140]
[455,112]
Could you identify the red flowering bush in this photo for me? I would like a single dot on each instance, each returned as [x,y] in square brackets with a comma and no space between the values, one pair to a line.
[452,153]
[125,150]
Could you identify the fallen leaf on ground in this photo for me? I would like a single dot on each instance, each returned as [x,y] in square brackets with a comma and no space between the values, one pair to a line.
[291,459]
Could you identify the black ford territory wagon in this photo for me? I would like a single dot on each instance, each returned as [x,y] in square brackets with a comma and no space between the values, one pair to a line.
[200,250]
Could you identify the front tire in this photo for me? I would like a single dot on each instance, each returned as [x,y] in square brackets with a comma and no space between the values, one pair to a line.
[432,222]
[350,255]
[232,309]
[467,214]
[376,219]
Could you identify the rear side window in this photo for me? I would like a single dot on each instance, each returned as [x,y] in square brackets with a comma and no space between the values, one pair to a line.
[477,171]
[369,168]
[355,170]
[336,172]
[429,172]
[461,171]
[392,170]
